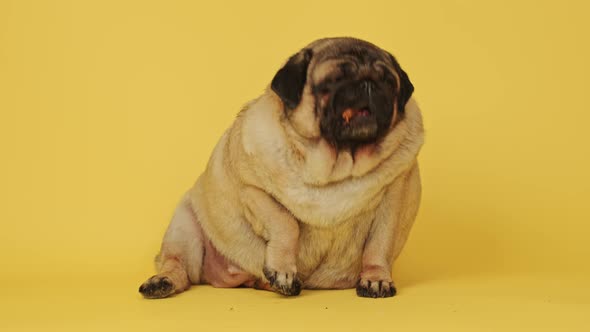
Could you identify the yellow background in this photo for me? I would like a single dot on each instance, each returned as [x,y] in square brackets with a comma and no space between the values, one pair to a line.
[110,109]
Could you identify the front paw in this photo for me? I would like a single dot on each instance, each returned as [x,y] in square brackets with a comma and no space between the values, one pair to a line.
[375,288]
[157,287]
[286,283]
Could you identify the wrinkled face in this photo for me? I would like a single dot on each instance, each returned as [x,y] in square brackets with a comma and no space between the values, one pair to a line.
[359,89]
[355,95]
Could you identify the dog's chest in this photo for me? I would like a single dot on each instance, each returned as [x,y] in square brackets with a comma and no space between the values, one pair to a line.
[329,206]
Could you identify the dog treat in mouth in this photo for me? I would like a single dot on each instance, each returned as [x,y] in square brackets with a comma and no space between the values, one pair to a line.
[350,113]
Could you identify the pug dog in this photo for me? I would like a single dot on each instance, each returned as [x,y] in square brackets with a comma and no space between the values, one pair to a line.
[315,185]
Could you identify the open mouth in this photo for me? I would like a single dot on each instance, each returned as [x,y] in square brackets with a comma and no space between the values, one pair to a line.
[358,124]
[350,114]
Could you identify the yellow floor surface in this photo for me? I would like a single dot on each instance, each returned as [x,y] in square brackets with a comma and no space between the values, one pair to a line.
[484,303]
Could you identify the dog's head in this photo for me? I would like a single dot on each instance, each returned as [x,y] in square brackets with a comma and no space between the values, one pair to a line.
[346,90]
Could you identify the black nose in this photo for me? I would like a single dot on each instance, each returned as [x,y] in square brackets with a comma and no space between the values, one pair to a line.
[366,85]
[356,95]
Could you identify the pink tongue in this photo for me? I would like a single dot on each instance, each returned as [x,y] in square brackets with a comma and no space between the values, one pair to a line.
[363,113]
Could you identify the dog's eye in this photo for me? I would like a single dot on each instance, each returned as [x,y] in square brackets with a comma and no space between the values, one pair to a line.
[334,79]
[328,84]
[384,74]
[389,79]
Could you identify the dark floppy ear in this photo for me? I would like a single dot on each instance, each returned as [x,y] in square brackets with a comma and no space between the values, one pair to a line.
[406,87]
[289,81]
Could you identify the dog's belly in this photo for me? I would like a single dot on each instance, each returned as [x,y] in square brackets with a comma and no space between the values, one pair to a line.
[332,257]
[329,257]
